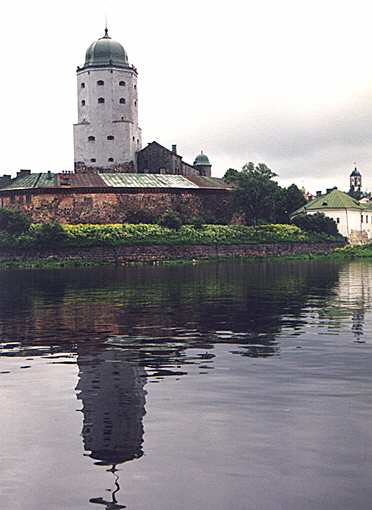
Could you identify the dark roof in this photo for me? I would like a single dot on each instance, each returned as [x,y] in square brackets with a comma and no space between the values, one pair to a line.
[151,144]
[111,180]
[355,173]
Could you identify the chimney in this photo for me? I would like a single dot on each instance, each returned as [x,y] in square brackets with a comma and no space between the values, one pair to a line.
[64,179]
[329,190]
[318,193]
[174,148]
[22,173]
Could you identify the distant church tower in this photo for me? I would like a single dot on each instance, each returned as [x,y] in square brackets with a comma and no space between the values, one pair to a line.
[355,181]
[107,135]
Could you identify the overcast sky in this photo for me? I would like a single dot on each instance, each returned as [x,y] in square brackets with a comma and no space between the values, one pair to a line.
[288,83]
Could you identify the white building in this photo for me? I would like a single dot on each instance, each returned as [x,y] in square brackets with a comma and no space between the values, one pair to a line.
[107,134]
[354,220]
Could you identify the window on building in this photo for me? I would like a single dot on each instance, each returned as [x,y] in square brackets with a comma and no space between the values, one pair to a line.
[122,100]
[361,218]
[133,138]
[366,218]
[135,86]
[110,137]
[122,83]
[111,160]
[28,199]
[100,83]
[135,103]
[83,102]
[337,220]
[93,160]
[101,100]
[83,85]
[12,199]
[91,138]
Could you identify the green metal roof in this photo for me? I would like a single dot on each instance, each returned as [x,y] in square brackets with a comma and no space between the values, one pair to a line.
[202,159]
[106,52]
[39,180]
[147,181]
[335,199]
[367,206]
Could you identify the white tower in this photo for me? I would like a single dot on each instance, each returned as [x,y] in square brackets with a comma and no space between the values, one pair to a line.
[107,135]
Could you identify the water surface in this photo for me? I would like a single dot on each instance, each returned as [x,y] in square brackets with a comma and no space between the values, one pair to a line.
[218,386]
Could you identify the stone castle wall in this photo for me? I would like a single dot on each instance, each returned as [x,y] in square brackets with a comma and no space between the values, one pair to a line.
[117,206]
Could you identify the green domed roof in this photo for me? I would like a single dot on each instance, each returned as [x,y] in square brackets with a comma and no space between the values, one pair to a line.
[106,52]
[202,159]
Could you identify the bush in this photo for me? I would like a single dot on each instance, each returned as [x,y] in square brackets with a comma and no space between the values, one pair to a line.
[140,216]
[14,222]
[170,220]
[317,222]
[49,233]
[197,222]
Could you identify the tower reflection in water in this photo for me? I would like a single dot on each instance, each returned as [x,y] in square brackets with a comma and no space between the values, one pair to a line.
[113,405]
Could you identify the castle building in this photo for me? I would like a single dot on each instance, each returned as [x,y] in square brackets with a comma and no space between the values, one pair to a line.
[107,184]
[107,137]
[107,134]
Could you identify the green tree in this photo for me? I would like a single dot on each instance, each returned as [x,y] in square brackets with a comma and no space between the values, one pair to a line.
[289,200]
[231,175]
[256,193]
[317,222]
[14,222]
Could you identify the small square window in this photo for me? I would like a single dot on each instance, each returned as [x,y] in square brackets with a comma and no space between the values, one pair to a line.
[83,85]
[110,137]
[83,102]
[93,160]
[337,220]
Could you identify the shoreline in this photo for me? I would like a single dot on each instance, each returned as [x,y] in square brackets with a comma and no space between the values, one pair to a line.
[50,258]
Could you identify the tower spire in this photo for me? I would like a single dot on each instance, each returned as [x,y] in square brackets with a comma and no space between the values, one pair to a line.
[106,29]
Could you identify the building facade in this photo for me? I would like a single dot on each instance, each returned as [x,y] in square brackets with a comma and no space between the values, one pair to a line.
[353,219]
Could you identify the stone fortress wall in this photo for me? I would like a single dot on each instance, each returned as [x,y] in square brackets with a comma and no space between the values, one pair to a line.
[117,206]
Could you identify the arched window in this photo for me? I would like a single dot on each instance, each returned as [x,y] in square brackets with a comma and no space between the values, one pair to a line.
[93,160]
[133,138]
[110,160]
[83,102]
[122,100]
[82,85]
[122,83]
[135,86]
[91,138]
[135,103]
[101,100]
[110,137]
[100,83]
